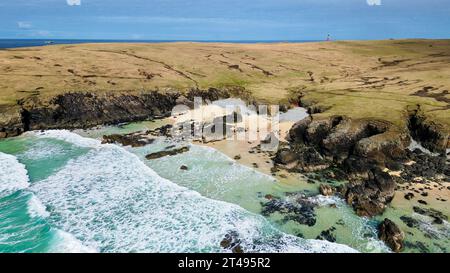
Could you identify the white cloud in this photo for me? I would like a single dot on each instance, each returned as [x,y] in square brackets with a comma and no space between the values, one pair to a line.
[24,25]
[41,33]
[73,2]
[374,2]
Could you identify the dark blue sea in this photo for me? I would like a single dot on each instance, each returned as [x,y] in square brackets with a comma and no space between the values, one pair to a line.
[15,43]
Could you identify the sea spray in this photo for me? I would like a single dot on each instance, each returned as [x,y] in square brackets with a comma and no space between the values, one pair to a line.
[13,175]
[113,202]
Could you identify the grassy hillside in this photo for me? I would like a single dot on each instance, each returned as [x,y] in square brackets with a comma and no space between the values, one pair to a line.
[376,79]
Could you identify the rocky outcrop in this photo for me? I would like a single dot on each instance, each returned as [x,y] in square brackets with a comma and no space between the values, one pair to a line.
[133,140]
[86,109]
[12,121]
[354,150]
[391,234]
[357,145]
[427,132]
[167,153]
[295,208]
[370,196]
[232,242]
[423,166]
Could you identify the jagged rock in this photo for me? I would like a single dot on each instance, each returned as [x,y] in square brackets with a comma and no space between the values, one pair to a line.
[355,145]
[167,153]
[300,210]
[427,132]
[370,196]
[391,234]
[12,121]
[326,190]
[286,157]
[85,110]
[133,140]
[327,235]
[425,165]
[303,158]
[184,168]
[165,130]
[410,222]
[232,242]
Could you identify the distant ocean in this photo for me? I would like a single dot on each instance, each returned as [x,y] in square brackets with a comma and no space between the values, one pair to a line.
[15,43]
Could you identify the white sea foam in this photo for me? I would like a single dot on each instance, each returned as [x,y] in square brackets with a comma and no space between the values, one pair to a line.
[426,224]
[63,242]
[416,145]
[322,201]
[112,202]
[41,150]
[36,208]
[13,175]
[67,136]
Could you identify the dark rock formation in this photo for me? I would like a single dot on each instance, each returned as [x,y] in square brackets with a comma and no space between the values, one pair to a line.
[360,150]
[165,131]
[167,153]
[409,196]
[391,234]
[133,140]
[232,242]
[410,222]
[370,196]
[12,121]
[328,235]
[356,145]
[437,216]
[425,166]
[85,109]
[297,209]
[429,134]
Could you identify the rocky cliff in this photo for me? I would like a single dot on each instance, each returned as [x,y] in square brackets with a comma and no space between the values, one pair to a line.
[85,109]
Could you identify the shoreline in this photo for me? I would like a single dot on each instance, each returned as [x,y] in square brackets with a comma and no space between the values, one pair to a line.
[346,136]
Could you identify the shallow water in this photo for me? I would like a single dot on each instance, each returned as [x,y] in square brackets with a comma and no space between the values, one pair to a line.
[216,176]
[68,193]
[103,198]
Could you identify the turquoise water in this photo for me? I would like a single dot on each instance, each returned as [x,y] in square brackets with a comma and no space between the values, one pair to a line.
[65,193]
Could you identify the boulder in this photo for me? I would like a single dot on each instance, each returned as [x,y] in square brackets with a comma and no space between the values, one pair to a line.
[286,156]
[391,234]
[167,153]
[370,196]
[133,140]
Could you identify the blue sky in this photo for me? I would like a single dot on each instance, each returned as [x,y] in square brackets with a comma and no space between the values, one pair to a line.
[224,20]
